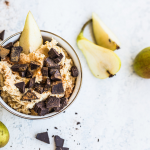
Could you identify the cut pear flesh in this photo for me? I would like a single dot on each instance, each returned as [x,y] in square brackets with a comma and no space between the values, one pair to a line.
[103,36]
[102,62]
[31,38]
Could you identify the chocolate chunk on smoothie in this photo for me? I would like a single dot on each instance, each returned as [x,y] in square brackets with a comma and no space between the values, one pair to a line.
[43,111]
[74,71]
[59,58]
[63,103]
[59,142]
[28,96]
[43,137]
[53,53]
[15,53]
[39,105]
[57,87]
[22,74]
[9,45]
[47,85]
[31,83]
[34,65]
[4,52]
[56,76]
[19,67]
[21,86]
[50,63]
[29,74]
[45,71]
[52,71]
[2,35]
[52,102]
[38,88]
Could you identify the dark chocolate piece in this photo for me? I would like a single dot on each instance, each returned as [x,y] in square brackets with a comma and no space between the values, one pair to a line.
[45,71]
[57,87]
[63,103]
[4,52]
[43,111]
[53,53]
[43,137]
[52,102]
[9,45]
[47,85]
[31,83]
[15,53]
[21,86]
[59,58]
[39,105]
[62,148]
[56,76]
[52,71]
[74,71]
[50,64]
[34,65]
[19,67]
[38,88]
[58,141]
[28,96]
[22,74]
[29,74]
[2,35]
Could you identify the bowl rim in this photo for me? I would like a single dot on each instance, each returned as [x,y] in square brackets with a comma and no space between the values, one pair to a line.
[45,117]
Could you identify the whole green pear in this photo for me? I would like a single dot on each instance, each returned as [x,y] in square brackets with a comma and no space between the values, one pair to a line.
[4,135]
[141,63]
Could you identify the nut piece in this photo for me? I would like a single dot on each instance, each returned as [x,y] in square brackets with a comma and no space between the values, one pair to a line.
[3,52]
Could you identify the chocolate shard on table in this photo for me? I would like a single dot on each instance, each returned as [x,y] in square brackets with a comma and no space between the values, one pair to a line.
[50,63]
[21,86]
[38,88]
[45,71]
[53,53]
[31,83]
[63,103]
[39,105]
[2,35]
[57,87]
[52,71]
[29,74]
[62,148]
[74,71]
[9,45]
[34,65]
[43,137]
[19,67]
[52,102]
[59,142]
[47,85]
[43,111]
[4,52]
[15,53]
[28,96]
[59,58]
[22,74]
[56,76]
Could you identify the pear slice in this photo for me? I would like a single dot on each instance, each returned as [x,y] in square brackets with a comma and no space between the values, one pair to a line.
[102,62]
[103,36]
[31,38]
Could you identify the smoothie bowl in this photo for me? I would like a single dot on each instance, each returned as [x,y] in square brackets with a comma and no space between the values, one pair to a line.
[40,84]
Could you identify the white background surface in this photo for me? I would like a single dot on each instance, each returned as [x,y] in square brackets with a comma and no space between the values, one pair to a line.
[117,110]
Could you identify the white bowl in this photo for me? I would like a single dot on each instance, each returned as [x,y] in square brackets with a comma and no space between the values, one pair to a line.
[48,36]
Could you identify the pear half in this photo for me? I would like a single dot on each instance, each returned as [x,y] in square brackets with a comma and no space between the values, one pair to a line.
[103,36]
[102,62]
[31,38]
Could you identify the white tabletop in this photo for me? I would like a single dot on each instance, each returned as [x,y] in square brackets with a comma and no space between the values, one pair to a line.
[115,110]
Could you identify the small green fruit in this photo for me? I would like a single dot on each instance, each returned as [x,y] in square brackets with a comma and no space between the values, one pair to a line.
[4,135]
[141,63]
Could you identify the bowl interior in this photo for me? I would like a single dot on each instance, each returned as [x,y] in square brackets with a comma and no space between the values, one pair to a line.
[47,36]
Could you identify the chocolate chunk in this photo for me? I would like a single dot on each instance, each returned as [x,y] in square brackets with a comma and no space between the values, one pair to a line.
[38,88]
[63,103]
[56,76]
[43,111]
[31,83]
[57,87]
[19,67]
[53,53]
[34,65]
[15,53]
[21,86]
[59,58]
[9,46]
[39,105]
[29,74]
[50,63]
[22,74]
[74,71]
[28,96]
[52,71]
[47,85]
[4,52]
[2,35]
[52,102]
[45,71]
[59,141]
[43,137]
[62,148]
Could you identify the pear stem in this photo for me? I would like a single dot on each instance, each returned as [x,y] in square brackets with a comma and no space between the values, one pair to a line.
[86,25]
